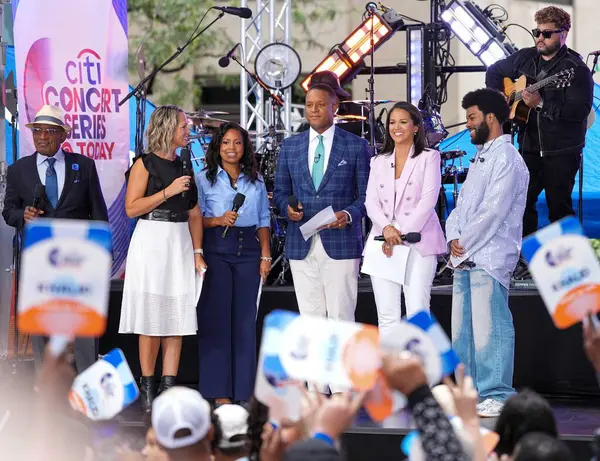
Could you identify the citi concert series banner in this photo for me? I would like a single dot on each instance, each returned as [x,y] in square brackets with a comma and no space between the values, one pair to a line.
[73,54]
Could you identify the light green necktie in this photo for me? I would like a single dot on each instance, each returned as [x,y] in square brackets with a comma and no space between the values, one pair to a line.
[319,161]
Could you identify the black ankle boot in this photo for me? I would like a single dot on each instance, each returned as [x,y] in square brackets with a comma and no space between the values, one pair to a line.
[147,392]
[166,382]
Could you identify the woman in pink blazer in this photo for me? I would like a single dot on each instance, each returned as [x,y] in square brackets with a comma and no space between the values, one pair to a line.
[402,193]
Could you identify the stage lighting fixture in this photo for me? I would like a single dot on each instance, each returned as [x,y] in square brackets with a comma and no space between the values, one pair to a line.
[335,62]
[478,32]
[415,70]
[278,65]
[347,58]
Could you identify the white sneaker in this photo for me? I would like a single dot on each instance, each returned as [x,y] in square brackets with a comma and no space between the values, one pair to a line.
[489,408]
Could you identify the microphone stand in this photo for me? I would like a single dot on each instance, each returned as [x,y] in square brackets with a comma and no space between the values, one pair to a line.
[140,90]
[372,89]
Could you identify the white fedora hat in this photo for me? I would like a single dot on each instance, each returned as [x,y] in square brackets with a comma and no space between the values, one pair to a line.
[50,115]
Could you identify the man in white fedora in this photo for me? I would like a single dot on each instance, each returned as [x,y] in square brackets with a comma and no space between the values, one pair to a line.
[72,191]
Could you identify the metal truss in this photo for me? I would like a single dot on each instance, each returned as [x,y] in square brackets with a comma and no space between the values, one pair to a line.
[271,23]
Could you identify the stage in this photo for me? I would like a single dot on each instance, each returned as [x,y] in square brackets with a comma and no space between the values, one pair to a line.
[548,360]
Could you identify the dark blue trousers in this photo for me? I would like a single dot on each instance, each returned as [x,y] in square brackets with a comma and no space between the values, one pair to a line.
[227,314]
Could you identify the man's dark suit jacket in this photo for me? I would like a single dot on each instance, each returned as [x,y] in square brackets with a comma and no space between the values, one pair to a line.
[81,196]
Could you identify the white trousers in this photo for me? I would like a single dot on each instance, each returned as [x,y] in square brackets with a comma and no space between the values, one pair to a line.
[325,287]
[420,271]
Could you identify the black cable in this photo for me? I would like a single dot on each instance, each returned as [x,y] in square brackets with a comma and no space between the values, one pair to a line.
[518,25]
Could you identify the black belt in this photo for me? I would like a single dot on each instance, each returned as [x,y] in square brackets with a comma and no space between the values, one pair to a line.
[166,215]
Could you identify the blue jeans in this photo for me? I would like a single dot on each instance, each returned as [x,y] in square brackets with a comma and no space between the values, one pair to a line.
[483,335]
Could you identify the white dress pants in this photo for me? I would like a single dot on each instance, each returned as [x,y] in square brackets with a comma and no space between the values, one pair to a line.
[419,274]
[325,287]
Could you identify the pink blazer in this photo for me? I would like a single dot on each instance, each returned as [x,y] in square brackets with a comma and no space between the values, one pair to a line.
[414,207]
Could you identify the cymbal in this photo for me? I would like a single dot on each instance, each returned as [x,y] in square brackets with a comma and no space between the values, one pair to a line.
[366,102]
[349,118]
[268,133]
[199,118]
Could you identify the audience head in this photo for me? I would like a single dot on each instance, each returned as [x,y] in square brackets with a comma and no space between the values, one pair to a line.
[234,441]
[524,412]
[49,130]
[538,446]
[329,78]
[487,110]
[167,130]
[181,426]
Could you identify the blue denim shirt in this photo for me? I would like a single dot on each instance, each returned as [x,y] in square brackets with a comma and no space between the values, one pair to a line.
[215,200]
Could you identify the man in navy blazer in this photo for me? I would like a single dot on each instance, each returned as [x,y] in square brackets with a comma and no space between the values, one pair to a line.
[72,192]
[324,166]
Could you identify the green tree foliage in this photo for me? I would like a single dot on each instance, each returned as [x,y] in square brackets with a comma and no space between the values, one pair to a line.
[164,25]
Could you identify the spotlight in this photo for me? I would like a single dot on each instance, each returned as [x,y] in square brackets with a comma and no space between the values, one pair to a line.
[477,31]
[415,61]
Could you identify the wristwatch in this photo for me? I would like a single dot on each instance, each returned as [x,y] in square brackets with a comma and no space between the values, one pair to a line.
[540,106]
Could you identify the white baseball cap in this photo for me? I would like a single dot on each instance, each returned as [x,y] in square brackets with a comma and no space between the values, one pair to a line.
[180,408]
[234,421]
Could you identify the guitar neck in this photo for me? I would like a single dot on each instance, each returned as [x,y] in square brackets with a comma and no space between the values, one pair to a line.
[542,83]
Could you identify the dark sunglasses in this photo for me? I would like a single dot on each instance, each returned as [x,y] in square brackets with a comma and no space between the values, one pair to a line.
[546,33]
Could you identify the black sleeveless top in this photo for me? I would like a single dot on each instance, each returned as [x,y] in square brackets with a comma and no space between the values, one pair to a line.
[162,173]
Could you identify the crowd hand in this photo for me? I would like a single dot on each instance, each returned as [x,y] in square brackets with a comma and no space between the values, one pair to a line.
[179,185]
[200,264]
[591,342]
[465,395]
[531,99]
[273,446]
[125,453]
[341,221]
[404,372]
[456,249]
[30,213]
[265,268]
[336,414]
[229,218]
[295,215]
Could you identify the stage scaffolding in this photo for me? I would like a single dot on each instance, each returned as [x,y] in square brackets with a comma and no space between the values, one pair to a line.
[271,23]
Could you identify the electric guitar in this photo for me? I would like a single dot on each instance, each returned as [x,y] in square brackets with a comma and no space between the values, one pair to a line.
[519,111]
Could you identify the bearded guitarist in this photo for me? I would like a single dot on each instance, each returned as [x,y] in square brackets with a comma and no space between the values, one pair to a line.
[552,140]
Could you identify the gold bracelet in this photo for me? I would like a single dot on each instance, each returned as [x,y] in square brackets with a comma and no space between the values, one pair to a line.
[164,195]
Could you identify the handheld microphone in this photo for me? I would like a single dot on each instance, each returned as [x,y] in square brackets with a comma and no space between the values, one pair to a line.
[411,237]
[186,160]
[245,13]
[238,201]
[225,60]
[293,203]
[39,191]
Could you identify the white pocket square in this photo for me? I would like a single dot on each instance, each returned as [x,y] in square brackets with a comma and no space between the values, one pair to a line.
[342,163]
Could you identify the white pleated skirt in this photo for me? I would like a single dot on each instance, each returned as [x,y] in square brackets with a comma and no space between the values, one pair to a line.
[161,287]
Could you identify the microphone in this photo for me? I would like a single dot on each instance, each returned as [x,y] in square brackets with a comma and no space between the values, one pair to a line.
[371,7]
[595,53]
[293,203]
[245,13]
[186,161]
[238,201]
[225,60]
[39,191]
[411,237]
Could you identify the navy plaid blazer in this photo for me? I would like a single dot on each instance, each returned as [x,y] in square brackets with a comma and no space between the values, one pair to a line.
[344,187]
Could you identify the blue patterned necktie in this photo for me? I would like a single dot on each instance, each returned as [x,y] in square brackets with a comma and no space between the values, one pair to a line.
[51,182]
[317,169]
